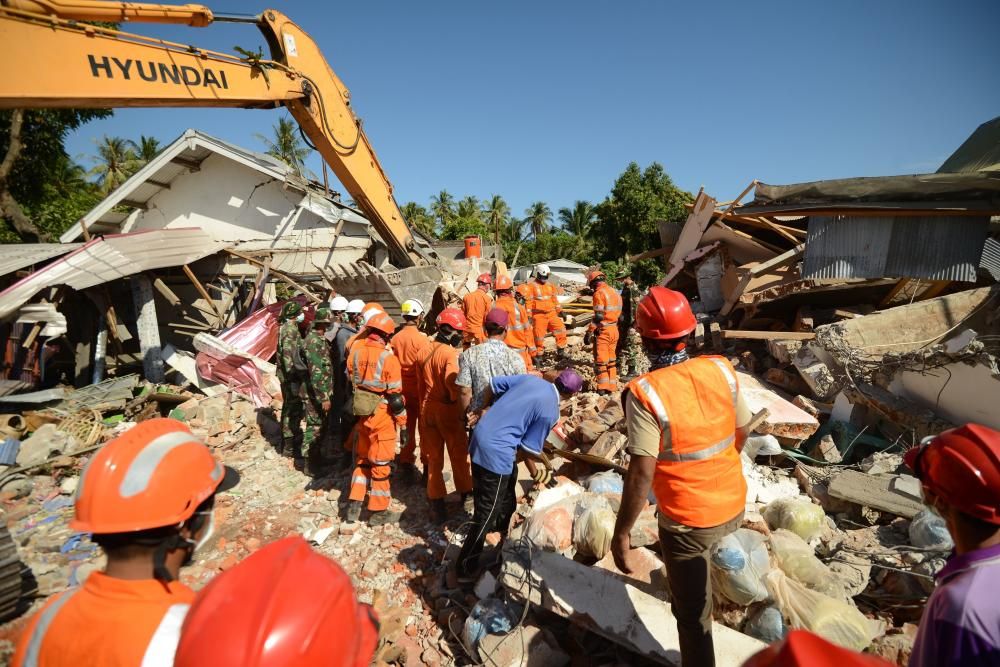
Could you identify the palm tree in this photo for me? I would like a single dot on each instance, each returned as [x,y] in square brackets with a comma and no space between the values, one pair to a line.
[147,148]
[442,206]
[418,218]
[513,231]
[497,212]
[538,216]
[468,209]
[287,146]
[68,177]
[116,161]
[577,220]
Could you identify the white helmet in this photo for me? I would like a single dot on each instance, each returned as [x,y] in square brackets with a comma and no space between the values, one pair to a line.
[355,306]
[543,270]
[412,308]
[339,304]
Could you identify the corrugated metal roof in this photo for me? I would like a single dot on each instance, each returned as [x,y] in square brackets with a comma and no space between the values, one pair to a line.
[990,260]
[929,248]
[16,256]
[111,257]
[980,152]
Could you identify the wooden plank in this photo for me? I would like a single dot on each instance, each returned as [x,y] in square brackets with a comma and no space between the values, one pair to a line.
[893,293]
[768,335]
[784,259]
[201,290]
[167,293]
[936,287]
[690,237]
[649,254]
[283,276]
[778,230]
[32,335]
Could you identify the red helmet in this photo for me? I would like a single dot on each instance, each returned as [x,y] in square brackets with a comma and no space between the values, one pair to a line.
[155,474]
[284,605]
[382,322]
[503,282]
[453,317]
[962,466]
[664,314]
[485,278]
[804,649]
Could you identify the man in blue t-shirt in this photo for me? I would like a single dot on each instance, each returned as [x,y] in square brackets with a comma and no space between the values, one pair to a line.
[518,413]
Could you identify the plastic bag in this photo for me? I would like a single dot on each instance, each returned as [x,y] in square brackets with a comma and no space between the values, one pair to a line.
[606,482]
[594,526]
[761,445]
[835,620]
[489,616]
[928,531]
[739,563]
[798,560]
[798,515]
[767,625]
[552,528]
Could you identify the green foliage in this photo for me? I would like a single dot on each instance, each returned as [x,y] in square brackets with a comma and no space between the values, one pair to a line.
[147,148]
[579,219]
[419,218]
[44,180]
[116,160]
[496,214]
[459,228]
[627,220]
[287,146]
[538,217]
[443,207]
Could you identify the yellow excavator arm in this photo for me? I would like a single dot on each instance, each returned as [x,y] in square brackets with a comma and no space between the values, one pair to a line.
[52,59]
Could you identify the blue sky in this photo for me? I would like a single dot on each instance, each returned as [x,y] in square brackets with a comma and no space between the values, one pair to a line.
[551,100]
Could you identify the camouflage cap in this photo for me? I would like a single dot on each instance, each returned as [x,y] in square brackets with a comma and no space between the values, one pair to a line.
[291,309]
[322,315]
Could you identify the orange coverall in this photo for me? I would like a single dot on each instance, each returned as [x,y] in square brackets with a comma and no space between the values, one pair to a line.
[372,367]
[411,346]
[442,422]
[545,311]
[607,310]
[107,621]
[520,336]
[476,305]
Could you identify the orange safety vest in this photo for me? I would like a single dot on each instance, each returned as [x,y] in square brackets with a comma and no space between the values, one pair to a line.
[410,345]
[438,373]
[476,305]
[519,331]
[373,367]
[607,303]
[543,297]
[699,479]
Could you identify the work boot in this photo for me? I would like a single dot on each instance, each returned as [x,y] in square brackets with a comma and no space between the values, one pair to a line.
[353,511]
[383,518]
[439,513]
[468,504]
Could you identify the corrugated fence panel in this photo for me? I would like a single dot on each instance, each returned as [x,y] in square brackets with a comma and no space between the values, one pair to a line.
[990,260]
[929,248]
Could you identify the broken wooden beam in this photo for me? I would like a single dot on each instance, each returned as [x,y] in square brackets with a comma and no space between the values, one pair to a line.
[768,335]
[202,291]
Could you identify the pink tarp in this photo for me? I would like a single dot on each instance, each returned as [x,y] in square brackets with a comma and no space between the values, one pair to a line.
[256,334]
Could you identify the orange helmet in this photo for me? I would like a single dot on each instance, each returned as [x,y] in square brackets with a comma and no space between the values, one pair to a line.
[485,278]
[594,275]
[962,466]
[156,474]
[381,322]
[503,282]
[664,314]
[453,317]
[284,605]
[804,649]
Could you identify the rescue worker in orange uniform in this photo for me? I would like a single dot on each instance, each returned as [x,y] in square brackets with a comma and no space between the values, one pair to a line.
[442,423]
[686,426]
[545,310]
[411,346]
[522,294]
[520,336]
[603,332]
[475,305]
[147,497]
[285,605]
[378,405]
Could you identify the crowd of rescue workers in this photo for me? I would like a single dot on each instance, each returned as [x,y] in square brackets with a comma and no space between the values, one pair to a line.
[384,396]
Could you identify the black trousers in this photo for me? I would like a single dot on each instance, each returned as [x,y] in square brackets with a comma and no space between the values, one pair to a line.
[495,500]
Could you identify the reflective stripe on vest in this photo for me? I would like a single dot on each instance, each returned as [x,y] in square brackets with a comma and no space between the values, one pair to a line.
[45,619]
[375,383]
[163,645]
[728,374]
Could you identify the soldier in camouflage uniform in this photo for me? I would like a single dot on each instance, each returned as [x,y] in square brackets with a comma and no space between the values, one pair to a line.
[318,389]
[291,373]
[634,361]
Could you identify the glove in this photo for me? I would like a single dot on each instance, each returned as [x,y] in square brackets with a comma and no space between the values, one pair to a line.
[404,437]
[588,337]
[543,477]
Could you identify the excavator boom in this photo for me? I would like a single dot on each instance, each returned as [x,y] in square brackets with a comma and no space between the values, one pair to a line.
[53,60]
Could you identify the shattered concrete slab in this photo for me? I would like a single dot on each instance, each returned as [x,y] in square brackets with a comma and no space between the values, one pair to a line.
[784,419]
[896,494]
[610,606]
